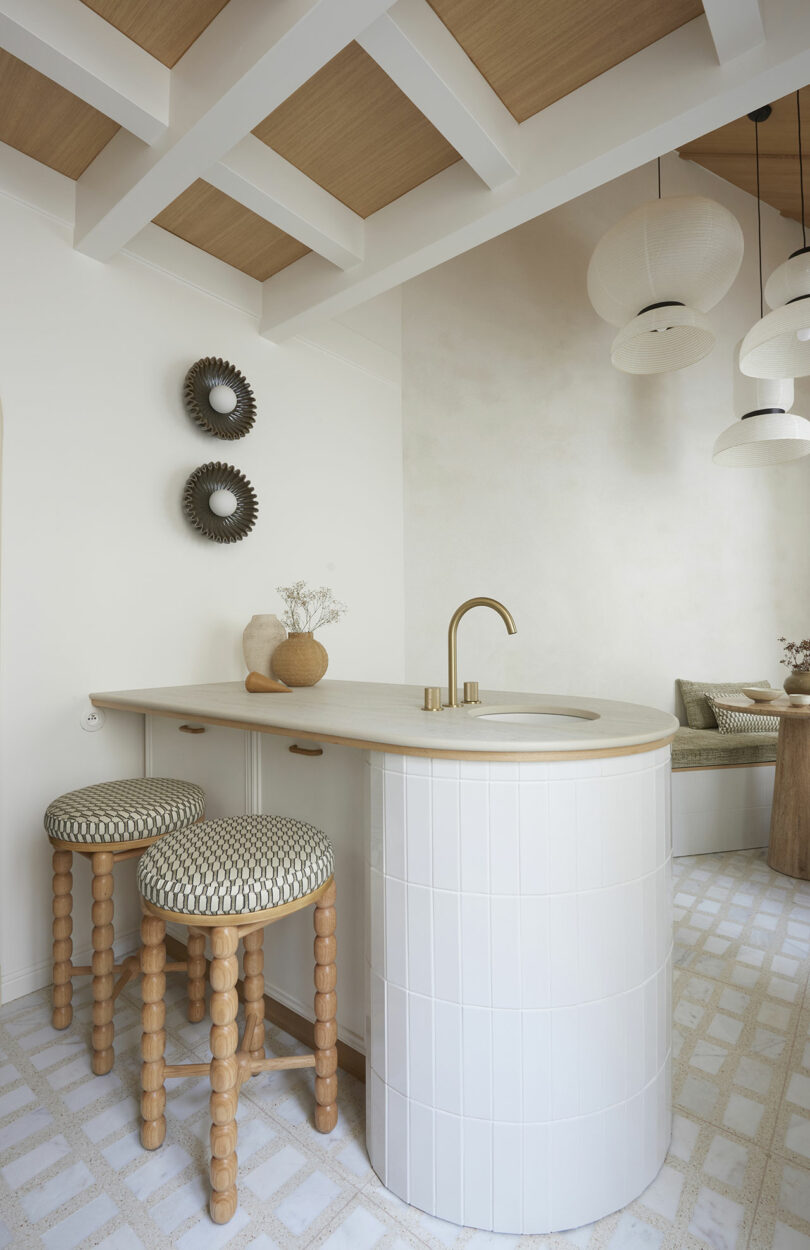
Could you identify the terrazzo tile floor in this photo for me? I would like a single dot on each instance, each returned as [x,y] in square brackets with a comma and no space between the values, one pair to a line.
[72,1172]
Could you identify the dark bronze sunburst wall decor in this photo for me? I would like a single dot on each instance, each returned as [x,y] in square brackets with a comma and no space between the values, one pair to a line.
[219,399]
[220,502]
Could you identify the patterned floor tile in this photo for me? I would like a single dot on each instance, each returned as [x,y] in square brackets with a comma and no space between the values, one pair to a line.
[73,1173]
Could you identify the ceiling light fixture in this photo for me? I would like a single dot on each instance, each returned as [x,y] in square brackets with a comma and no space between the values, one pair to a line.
[769,433]
[657,272]
[778,346]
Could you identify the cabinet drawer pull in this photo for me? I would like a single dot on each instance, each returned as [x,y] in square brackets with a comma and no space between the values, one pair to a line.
[296,750]
[192,729]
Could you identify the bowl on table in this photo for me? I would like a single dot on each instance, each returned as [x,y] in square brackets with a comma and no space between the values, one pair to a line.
[799,700]
[760,694]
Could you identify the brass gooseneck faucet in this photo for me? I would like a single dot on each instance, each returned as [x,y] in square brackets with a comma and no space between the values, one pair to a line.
[452,674]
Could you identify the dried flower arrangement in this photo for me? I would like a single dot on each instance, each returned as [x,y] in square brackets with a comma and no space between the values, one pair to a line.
[308,610]
[797,655]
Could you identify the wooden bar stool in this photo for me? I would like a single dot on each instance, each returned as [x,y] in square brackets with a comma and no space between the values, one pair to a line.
[231,878]
[106,824]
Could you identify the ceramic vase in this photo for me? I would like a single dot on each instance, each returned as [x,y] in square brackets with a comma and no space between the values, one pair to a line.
[259,641]
[300,661]
[798,683]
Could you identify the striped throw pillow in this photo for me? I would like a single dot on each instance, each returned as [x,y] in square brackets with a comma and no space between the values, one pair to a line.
[742,722]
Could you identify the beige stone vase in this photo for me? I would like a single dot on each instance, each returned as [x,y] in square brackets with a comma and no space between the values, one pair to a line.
[300,661]
[798,683]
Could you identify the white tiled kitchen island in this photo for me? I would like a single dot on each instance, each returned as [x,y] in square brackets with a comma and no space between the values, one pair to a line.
[514,991]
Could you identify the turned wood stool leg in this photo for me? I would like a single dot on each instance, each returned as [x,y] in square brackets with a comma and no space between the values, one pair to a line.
[253,984]
[326,1111]
[153,1038]
[195,947]
[62,941]
[103,962]
[223,972]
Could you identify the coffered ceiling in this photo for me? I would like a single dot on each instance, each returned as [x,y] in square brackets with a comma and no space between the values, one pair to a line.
[330,150]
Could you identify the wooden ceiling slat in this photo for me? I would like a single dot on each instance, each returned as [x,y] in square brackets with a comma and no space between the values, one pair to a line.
[533,52]
[47,122]
[729,152]
[163,29]
[355,133]
[225,229]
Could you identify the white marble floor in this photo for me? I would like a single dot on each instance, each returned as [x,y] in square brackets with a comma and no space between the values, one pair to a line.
[72,1172]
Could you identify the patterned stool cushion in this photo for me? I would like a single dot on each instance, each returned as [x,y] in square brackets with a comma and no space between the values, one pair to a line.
[235,866]
[125,811]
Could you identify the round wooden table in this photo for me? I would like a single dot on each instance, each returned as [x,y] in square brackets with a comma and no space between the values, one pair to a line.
[789,848]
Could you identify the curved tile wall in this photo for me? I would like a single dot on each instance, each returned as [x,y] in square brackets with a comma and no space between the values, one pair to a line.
[518,1030]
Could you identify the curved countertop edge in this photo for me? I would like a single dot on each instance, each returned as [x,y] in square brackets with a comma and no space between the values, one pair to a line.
[409,743]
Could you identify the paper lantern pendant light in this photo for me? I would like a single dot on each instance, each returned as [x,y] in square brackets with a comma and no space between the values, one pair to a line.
[657,272]
[768,434]
[778,346]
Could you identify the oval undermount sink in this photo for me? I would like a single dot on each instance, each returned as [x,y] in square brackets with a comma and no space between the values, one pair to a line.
[540,717]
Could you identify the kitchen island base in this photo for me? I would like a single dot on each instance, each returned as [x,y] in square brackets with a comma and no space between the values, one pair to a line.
[519,996]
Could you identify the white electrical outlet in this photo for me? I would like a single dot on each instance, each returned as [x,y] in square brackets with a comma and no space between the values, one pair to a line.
[92,719]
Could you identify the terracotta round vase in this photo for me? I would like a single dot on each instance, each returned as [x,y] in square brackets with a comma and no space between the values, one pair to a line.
[262,635]
[300,661]
[798,683]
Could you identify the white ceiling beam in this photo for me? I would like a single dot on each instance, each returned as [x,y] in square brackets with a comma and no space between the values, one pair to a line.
[248,61]
[736,27]
[69,43]
[417,51]
[661,98]
[267,184]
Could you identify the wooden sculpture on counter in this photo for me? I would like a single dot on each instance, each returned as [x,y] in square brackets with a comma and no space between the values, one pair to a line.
[257,683]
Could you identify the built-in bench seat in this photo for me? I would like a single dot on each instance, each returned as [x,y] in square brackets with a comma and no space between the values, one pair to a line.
[708,748]
[722,786]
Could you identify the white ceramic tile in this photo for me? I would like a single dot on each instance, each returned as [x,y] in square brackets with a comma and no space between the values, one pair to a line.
[504,838]
[57,1191]
[447,945]
[507,1066]
[29,1165]
[533,817]
[476,956]
[396,931]
[419,854]
[421,1043]
[477,1063]
[449,1170]
[535,952]
[446,853]
[506,958]
[448,1057]
[478,1173]
[474,836]
[507,1177]
[396,1038]
[161,1167]
[420,939]
[422,1156]
[394,840]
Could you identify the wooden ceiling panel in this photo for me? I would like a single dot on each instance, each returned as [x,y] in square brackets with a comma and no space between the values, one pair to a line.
[202,215]
[533,52]
[729,152]
[165,30]
[353,131]
[43,120]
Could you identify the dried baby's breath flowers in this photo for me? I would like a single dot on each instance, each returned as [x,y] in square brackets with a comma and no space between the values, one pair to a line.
[308,610]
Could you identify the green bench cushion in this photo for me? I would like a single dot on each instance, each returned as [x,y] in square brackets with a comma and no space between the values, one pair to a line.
[708,748]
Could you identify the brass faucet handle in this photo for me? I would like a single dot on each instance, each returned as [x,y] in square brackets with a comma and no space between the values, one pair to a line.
[433,699]
[471,692]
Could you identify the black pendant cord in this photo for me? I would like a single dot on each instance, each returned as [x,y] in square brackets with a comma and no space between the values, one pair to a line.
[801,167]
[659,182]
[759,222]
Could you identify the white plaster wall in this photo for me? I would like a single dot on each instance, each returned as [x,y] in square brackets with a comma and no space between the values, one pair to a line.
[582,497]
[104,583]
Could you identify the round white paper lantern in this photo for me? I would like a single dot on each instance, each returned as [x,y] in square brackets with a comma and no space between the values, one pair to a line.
[675,258]
[768,434]
[778,346]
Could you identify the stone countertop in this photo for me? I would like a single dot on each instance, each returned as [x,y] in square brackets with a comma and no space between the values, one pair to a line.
[375,715]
